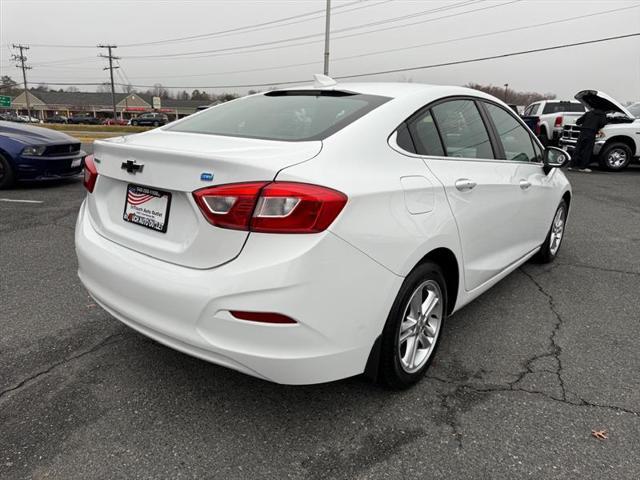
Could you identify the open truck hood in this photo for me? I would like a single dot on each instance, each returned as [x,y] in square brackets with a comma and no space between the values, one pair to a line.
[600,100]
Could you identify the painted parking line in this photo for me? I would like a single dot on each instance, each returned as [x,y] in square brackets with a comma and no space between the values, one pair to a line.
[13,200]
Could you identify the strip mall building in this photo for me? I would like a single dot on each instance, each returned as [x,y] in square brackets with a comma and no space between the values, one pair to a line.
[47,104]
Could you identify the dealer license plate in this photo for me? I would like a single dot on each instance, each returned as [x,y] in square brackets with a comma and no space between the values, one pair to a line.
[147,207]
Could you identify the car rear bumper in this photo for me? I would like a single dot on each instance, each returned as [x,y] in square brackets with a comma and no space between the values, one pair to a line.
[339,297]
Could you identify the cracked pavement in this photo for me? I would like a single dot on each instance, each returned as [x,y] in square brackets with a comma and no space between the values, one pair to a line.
[522,377]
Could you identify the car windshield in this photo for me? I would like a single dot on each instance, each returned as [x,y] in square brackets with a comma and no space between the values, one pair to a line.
[294,115]
[635,110]
[556,107]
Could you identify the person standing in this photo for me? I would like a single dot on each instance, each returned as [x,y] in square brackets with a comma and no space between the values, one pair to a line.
[591,122]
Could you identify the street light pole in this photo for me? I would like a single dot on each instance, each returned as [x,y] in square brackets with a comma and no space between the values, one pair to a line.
[327,29]
[506,85]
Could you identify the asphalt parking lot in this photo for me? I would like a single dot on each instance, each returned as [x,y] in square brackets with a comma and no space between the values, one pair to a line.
[523,377]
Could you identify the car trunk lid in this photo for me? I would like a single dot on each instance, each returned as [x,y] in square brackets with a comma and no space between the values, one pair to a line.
[179,163]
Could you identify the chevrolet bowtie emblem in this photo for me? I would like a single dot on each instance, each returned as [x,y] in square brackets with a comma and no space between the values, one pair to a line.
[132,167]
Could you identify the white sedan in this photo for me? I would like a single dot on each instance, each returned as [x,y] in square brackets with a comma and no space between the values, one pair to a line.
[315,233]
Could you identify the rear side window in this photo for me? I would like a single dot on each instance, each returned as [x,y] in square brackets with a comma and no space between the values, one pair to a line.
[404,140]
[425,134]
[295,115]
[462,129]
[515,139]
[556,107]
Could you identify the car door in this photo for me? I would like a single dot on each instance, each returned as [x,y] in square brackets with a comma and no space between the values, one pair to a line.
[537,202]
[482,190]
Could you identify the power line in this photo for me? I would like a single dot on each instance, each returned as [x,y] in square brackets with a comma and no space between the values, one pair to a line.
[482,35]
[78,60]
[124,74]
[247,48]
[237,30]
[492,57]
[397,70]
[68,61]
[394,27]
[202,53]
[261,26]
[409,47]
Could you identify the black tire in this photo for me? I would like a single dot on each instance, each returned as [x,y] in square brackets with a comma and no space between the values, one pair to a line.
[156,124]
[548,253]
[134,123]
[615,157]
[7,175]
[391,371]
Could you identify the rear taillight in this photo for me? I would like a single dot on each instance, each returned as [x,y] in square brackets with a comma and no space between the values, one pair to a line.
[90,173]
[278,207]
[229,206]
[558,122]
[537,129]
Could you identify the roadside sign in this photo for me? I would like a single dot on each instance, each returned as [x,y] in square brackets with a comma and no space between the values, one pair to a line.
[156,103]
[5,101]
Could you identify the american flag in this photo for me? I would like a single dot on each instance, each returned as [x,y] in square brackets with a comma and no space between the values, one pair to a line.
[138,198]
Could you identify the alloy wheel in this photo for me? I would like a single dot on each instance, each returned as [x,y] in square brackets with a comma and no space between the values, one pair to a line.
[617,158]
[420,326]
[557,230]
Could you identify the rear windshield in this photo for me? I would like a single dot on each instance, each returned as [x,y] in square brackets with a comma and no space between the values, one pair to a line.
[295,115]
[555,107]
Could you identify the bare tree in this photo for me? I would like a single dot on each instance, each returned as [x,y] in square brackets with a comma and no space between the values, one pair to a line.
[104,87]
[512,96]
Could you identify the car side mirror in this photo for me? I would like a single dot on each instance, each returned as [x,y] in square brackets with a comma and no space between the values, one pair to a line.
[555,157]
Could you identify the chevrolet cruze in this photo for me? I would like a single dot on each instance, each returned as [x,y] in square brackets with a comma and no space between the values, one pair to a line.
[310,234]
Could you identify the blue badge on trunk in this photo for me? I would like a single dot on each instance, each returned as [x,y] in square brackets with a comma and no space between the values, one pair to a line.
[206,176]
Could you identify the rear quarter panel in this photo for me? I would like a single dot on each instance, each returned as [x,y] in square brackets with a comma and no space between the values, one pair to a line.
[382,185]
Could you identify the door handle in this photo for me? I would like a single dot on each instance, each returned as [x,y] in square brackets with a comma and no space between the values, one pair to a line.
[524,184]
[464,184]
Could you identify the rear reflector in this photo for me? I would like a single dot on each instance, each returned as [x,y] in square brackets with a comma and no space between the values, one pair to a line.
[276,207]
[263,317]
[90,173]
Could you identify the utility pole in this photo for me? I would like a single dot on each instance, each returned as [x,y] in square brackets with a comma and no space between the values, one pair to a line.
[506,85]
[327,28]
[111,68]
[22,58]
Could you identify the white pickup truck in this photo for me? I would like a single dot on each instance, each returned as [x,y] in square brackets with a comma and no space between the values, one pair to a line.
[618,142]
[547,118]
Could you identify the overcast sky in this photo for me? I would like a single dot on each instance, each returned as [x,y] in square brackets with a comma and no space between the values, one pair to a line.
[49,25]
